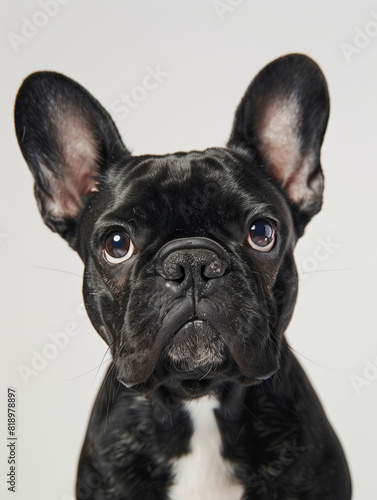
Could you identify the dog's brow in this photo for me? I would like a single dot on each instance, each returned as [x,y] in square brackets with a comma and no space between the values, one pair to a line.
[262,209]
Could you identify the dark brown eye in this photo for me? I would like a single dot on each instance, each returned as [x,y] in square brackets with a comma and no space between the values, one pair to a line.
[261,236]
[118,247]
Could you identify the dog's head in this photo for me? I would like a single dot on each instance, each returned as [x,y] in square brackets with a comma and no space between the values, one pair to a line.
[189,269]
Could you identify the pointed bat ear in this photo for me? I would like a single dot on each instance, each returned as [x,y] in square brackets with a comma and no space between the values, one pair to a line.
[283,116]
[68,140]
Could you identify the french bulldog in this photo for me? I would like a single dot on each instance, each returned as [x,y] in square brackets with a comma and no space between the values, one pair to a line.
[190,279]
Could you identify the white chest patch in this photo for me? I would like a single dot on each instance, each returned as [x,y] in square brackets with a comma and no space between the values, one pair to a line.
[203,474]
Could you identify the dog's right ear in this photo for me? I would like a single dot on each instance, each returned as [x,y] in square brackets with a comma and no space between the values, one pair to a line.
[68,140]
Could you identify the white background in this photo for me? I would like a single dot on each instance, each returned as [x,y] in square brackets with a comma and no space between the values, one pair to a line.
[209,58]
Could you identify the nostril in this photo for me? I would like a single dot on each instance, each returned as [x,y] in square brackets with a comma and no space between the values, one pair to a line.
[214,269]
[173,271]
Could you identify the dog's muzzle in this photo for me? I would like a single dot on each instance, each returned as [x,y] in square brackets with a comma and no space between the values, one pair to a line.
[197,335]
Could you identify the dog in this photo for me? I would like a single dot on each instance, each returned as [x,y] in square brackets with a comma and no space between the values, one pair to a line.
[190,279]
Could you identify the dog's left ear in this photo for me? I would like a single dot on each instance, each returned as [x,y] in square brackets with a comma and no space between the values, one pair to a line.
[283,116]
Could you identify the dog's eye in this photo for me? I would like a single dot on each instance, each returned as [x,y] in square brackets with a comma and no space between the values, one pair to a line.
[261,236]
[118,247]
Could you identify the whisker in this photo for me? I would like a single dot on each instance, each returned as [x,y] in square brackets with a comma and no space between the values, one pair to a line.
[87,373]
[57,270]
[314,362]
[324,271]
[204,376]
[100,365]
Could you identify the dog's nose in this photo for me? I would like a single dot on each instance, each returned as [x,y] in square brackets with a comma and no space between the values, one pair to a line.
[188,260]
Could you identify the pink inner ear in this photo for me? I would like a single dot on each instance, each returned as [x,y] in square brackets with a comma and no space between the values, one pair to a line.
[278,134]
[301,188]
[78,165]
[280,146]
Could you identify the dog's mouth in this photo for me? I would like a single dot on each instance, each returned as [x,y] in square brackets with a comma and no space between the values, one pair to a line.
[196,357]
[196,346]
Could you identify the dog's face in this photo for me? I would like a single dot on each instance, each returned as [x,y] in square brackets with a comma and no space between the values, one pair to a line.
[183,292]
[189,270]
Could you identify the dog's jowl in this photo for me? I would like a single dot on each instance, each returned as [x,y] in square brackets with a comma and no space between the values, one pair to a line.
[190,279]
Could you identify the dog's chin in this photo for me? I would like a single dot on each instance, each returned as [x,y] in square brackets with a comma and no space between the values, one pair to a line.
[192,385]
[208,379]
[195,347]
[199,382]
[196,359]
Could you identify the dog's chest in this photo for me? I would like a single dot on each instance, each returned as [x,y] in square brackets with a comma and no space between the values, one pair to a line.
[203,474]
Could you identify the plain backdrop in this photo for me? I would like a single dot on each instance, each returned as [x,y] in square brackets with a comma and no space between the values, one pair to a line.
[207,53]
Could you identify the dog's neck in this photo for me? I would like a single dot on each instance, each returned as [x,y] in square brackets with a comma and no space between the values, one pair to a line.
[168,401]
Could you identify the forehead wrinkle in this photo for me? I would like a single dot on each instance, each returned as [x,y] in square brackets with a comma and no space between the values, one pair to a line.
[157,185]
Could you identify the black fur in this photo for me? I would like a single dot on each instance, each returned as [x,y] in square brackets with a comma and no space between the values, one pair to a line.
[195,310]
